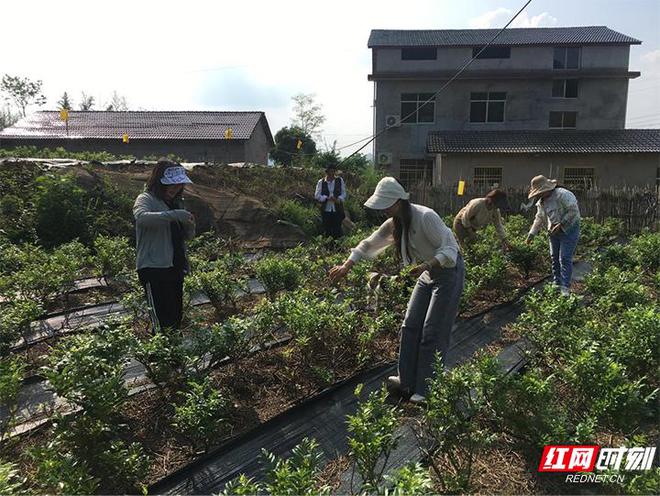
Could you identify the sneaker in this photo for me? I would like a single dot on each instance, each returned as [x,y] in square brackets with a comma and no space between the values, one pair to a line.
[417,399]
[394,381]
[564,291]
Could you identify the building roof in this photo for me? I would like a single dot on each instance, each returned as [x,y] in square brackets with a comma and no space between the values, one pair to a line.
[581,35]
[550,141]
[169,125]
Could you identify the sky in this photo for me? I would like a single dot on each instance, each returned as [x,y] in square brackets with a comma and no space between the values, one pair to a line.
[255,55]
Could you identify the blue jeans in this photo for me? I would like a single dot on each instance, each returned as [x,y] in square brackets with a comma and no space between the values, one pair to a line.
[426,329]
[562,248]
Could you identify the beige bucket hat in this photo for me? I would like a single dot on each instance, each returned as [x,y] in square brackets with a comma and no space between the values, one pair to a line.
[388,191]
[541,184]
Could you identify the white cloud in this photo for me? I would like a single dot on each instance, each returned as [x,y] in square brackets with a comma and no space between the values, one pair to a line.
[500,16]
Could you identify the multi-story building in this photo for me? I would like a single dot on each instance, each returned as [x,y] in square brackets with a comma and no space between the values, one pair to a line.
[535,100]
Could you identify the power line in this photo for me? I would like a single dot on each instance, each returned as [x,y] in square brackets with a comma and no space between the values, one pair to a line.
[432,98]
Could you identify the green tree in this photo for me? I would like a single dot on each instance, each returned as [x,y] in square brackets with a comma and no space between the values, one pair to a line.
[307,114]
[22,92]
[7,117]
[86,102]
[286,151]
[65,103]
[117,103]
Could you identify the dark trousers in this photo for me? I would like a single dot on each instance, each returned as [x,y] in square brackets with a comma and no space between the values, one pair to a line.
[165,300]
[332,224]
[426,329]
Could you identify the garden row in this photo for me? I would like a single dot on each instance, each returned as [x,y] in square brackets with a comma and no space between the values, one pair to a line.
[106,445]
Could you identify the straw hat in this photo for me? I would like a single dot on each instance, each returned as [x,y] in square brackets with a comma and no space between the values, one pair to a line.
[388,191]
[541,184]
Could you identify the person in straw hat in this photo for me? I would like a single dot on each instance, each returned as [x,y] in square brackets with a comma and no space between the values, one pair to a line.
[558,209]
[421,239]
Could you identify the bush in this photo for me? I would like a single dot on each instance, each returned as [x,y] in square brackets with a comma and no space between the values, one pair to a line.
[10,481]
[210,345]
[525,257]
[646,250]
[458,401]
[617,289]
[114,256]
[11,381]
[372,437]
[202,414]
[88,370]
[307,218]
[409,480]
[218,284]
[277,274]
[58,472]
[298,474]
[15,320]
[61,210]
[164,357]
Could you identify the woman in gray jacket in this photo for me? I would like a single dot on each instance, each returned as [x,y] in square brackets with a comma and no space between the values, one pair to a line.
[423,240]
[162,225]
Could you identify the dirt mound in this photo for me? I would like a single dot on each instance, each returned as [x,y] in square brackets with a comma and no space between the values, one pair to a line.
[235,204]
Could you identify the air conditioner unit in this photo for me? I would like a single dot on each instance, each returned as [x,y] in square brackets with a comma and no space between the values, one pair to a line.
[384,158]
[393,120]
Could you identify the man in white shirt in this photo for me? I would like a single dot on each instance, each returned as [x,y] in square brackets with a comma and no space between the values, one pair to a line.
[557,209]
[331,195]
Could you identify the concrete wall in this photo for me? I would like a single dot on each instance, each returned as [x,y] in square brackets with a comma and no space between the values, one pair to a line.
[258,146]
[601,104]
[610,169]
[522,58]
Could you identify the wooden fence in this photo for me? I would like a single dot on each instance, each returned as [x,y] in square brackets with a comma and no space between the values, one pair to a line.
[638,208]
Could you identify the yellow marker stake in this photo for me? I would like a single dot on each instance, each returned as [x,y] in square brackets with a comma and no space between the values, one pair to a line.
[125,138]
[229,133]
[64,115]
[461,187]
[299,145]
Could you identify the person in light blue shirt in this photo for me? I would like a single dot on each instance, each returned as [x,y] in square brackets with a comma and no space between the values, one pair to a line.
[557,209]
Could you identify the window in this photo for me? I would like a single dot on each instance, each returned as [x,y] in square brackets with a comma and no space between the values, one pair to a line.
[487,107]
[492,52]
[419,53]
[566,58]
[565,88]
[563,120]
[487,177]
[413,109]
[579,177]
[414,172]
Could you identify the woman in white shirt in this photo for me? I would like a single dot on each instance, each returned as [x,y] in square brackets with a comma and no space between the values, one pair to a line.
[557,209]
[420,238]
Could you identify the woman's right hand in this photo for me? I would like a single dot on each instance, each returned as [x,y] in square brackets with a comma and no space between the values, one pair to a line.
[340,271]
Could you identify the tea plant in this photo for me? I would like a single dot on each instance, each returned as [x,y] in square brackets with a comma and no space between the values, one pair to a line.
[164,358]
[646,250]
[62,473]
[200,417]
[307,218]
[10,480]
[296,475]
[114,256]
[372,437]
[458,401]
[11,380]
[409,480]
[88,370]
[277,274]
[15,320]
[218,284]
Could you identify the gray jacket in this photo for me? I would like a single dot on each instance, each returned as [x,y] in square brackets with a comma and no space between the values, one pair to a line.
[153,233]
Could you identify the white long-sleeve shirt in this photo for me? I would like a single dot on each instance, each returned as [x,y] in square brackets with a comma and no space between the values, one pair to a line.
[430,240]
[561,207]
[330,206]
